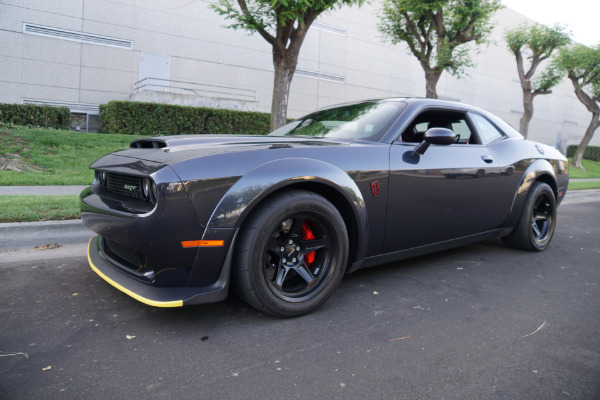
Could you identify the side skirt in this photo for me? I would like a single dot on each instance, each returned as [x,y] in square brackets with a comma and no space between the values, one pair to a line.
[427,249]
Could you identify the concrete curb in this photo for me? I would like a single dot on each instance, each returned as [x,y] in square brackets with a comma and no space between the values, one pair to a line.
[581,196]
[16,235]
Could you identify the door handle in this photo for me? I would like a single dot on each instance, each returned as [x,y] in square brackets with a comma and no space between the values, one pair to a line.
[488,159]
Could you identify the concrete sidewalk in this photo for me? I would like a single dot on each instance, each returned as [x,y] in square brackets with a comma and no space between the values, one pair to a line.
[40,190]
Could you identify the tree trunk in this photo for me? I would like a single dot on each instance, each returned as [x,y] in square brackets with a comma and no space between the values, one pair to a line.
[431,81]
[284,72]
[527,113]
[592,105]
[589,133]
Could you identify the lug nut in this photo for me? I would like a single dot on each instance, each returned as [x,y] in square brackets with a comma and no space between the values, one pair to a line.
[282,249]
[297,248]
[284,260]
[291,241]
[294,259]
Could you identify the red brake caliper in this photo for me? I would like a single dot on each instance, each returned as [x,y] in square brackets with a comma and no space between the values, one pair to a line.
[308,235]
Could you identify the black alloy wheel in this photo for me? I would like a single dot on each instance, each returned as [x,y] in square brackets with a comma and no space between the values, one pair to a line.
[291,255]
[542,219]
[536,224]
[298,257]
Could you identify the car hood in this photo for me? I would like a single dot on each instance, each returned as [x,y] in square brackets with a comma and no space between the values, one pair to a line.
[173,149]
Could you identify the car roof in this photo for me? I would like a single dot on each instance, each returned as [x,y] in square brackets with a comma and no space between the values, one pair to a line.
[415,104]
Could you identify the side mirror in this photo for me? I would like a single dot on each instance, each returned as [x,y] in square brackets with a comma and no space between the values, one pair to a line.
[441,136]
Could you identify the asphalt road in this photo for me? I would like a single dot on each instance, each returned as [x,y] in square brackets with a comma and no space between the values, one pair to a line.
[479,322]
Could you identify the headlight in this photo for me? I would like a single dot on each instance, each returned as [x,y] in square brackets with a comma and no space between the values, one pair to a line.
[153,192]
[145,188]
[101,177]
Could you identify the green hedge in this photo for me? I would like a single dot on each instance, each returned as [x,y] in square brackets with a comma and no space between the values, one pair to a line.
[29,114]
[590,153]
[154,119]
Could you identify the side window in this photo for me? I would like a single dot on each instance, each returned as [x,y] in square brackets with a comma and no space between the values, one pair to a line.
[462,130]
[455,121]
[486,130]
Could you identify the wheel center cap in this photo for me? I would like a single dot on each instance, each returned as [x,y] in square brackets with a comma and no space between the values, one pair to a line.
[290,250]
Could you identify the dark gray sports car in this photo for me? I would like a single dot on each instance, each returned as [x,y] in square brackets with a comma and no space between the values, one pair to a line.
[281,218]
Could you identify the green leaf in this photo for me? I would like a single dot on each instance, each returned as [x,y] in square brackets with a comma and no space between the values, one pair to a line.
[438,46]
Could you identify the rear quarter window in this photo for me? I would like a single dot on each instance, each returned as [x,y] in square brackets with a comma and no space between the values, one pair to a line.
[488,133]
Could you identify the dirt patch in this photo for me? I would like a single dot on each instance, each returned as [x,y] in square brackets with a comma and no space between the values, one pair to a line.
[14,162]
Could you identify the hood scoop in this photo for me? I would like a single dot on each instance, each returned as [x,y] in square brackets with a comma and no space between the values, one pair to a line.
[148,144]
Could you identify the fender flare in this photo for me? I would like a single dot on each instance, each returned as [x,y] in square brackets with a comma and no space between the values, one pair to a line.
[241,198]
[538,169]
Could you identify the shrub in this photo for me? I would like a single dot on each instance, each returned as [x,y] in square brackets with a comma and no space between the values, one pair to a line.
[154,119]
[590,153]
[32,115]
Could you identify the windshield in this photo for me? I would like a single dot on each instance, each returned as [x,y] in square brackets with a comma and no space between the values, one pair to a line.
[363,121]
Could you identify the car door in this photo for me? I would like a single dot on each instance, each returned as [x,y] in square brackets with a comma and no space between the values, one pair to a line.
[448,192]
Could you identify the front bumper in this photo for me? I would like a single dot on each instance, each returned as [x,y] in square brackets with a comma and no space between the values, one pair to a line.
[154,295]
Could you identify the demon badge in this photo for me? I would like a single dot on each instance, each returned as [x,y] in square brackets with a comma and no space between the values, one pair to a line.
[375,188]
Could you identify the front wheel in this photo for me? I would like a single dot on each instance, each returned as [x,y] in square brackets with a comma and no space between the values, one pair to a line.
[291,254]
[536,225]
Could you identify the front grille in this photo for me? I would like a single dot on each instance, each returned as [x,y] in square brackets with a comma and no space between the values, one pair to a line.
[126,185]
[125,253]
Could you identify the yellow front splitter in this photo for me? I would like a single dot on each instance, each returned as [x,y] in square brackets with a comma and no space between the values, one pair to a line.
[109,274]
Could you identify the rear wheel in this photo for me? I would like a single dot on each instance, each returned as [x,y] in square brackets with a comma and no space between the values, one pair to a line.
[291,254]
[537,222]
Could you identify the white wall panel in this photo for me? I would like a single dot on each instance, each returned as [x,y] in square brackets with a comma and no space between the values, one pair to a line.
[50,74]
[52,50]
[10,69]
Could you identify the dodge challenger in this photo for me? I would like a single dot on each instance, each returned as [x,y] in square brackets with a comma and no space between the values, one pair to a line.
[279,219]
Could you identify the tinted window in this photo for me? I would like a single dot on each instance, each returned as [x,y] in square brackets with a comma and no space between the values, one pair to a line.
[363,121]
[486,130]
[455,121]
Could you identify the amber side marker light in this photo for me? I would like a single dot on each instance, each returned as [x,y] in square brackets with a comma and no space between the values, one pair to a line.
[202,243]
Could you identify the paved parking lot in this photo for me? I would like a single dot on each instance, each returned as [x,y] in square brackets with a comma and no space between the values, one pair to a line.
[479,322]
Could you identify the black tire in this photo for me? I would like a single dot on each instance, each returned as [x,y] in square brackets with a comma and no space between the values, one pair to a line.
[536,224]
[291,254]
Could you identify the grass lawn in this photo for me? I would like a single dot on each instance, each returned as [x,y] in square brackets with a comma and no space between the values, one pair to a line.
[56,157]
[584,185]
[592,170]
[38,208]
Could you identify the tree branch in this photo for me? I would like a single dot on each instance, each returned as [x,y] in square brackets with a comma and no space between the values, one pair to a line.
[520,67]
[298,34]
[461,37]
[413,29]
[534,64]
[538,92]
[587,101]
[286,32]
[262,32]
[589,79]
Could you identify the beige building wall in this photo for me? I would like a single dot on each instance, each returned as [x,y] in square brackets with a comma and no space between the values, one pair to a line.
[343,59]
